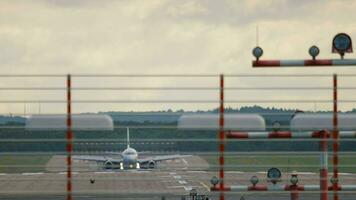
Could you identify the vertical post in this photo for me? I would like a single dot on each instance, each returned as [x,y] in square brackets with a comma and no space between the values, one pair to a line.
[221,138]
[335,139]
[323,165]
[294,192]
[69,137]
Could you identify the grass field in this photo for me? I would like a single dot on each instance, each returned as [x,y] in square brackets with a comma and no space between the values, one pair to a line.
[302,163]
[20,164]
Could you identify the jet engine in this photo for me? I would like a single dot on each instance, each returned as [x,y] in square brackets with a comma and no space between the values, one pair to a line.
[151,164]
[108,164]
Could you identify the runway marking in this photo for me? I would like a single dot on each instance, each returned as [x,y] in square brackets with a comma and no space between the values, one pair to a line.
[172,173]
[205,186]
[3,174]
[182,182]
[345,174]
[66,172]
[306,173]
[235,172]
[29,174]
[177,177]
[185,162]
[197,171]
[262,172]
[188,188]
[104,172]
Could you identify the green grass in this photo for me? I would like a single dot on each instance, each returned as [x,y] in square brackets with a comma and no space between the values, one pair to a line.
[20,164]
[302,163]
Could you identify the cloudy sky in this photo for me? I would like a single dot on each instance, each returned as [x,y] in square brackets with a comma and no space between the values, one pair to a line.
[166,36]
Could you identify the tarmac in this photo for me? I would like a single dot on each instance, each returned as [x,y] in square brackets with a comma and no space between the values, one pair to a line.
[171,179]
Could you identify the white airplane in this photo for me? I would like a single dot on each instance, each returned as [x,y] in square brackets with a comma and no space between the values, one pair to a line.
[129,159]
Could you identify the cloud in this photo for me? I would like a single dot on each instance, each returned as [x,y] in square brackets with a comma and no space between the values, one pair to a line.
[161,36]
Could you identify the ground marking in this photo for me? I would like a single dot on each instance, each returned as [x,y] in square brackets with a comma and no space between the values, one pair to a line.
[36,173]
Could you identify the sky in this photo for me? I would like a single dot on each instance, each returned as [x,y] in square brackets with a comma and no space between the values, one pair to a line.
[167,37]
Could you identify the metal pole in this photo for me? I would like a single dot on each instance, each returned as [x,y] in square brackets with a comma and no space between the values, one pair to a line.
[69,137]
[294,192]
[323,165]
[221,138]
[335,140]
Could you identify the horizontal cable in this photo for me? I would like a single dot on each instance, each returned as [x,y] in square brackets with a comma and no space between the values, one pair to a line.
[176,88]
[194,153]
[161,141]
[174,75]
[178,101]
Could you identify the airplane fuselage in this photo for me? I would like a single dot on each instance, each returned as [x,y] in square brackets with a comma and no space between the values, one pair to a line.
[129,159]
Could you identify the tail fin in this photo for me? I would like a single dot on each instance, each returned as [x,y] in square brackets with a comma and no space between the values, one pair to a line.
[128,137]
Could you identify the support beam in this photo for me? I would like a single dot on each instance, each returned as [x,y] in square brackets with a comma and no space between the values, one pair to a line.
[285,134]
[311,62]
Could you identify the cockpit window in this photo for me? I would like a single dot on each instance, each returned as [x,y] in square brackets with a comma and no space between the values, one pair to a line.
[130,153]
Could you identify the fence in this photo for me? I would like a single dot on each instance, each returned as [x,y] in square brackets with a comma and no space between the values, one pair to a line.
[40,163]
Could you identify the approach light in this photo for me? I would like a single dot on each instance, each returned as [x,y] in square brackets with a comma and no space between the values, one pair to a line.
[274,175]
[334,180]
[214,181]
[254,180]
[314,51]
[257,52]
[342,44]
[276,125]
[294,179]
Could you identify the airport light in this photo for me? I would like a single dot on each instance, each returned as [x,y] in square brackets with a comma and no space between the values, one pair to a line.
[334,180]
[274,175]
[257,52]
[342,44]
[294,179]
[276,125]
[214,181]
[254,180]
[314,51]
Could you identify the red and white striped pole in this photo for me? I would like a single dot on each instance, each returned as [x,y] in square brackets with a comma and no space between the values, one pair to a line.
[324,165]
[310,62]
[311,188]
[285,134]
[221,138]
[69,137]
[335,139]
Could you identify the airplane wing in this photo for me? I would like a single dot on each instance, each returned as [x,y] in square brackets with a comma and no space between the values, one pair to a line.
[161,158]
[97,158]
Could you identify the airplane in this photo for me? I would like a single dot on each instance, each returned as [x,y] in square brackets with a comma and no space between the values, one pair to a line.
[129,159]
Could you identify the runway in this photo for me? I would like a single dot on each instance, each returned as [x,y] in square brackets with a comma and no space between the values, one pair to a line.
[172,180]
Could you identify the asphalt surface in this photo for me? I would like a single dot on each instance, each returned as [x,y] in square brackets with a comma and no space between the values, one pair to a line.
[172,180]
